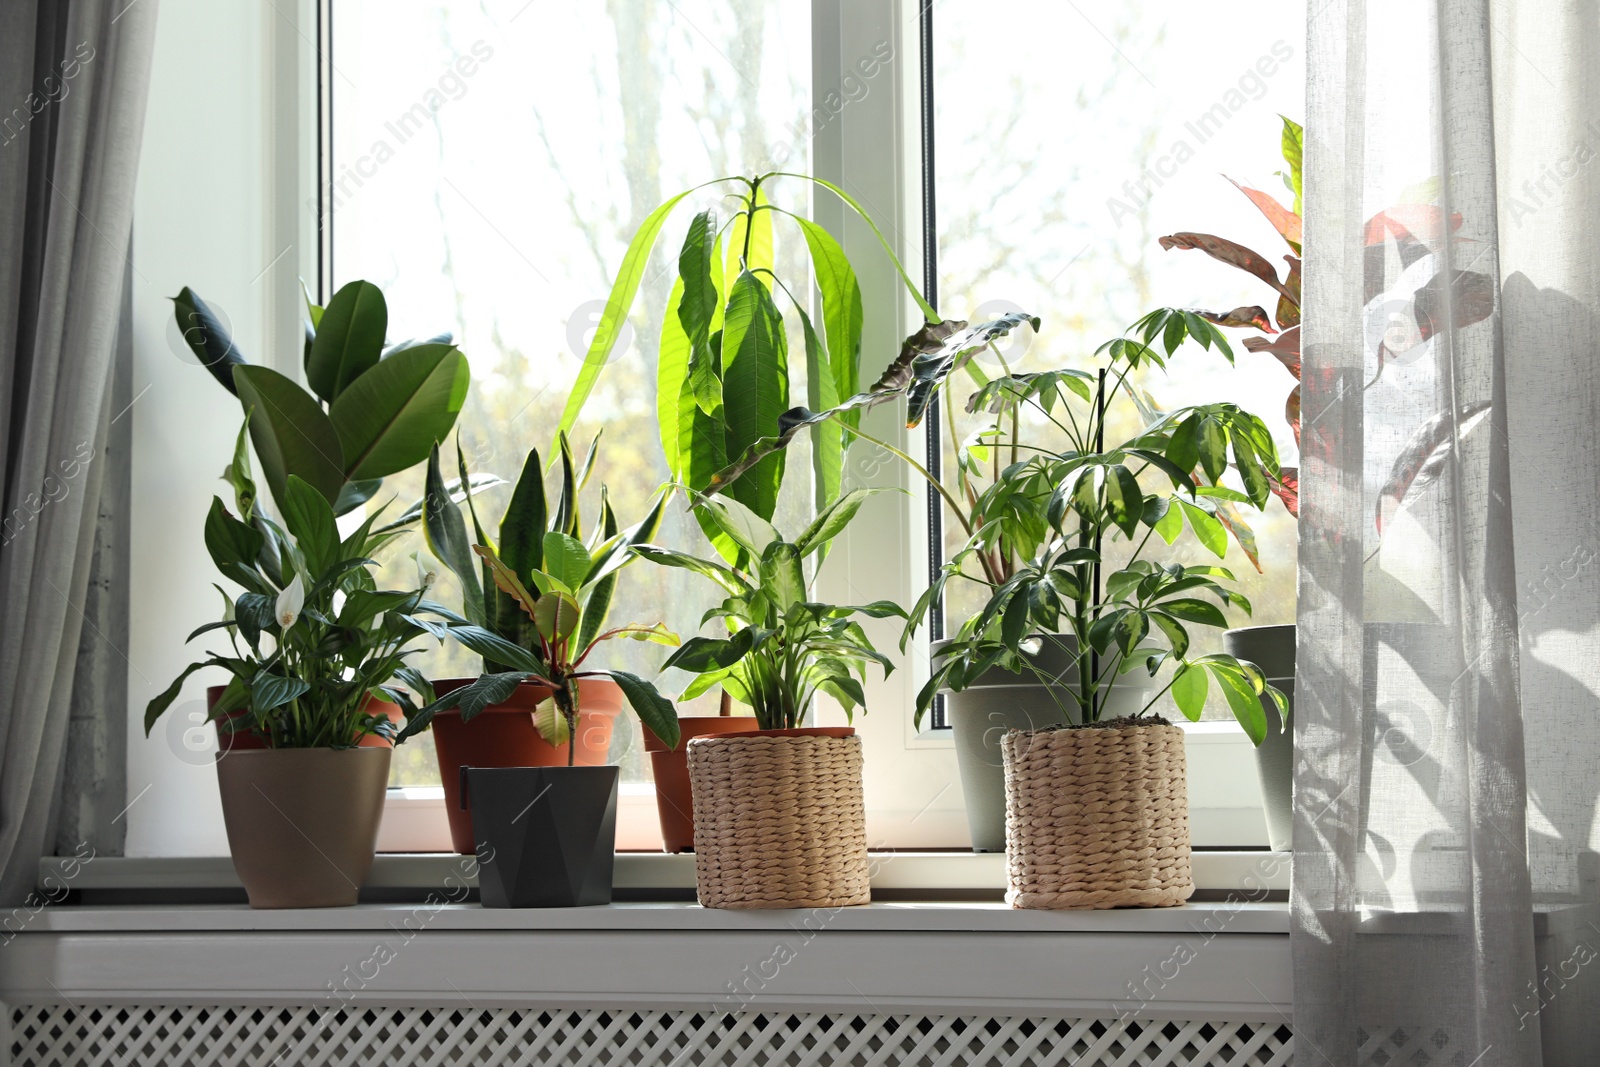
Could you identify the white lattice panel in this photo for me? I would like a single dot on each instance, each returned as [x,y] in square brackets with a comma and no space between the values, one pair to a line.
[220,1036]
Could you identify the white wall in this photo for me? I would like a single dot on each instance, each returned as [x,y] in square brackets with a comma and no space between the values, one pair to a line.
[222,118]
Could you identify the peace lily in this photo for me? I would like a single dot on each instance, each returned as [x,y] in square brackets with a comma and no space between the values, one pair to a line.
[290,602]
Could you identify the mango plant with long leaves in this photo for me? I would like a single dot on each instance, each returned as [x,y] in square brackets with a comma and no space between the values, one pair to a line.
[782,648]
[536,602]
[723,369]
[373,410]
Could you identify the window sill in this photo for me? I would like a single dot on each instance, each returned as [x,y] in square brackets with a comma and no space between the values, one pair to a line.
[950,876]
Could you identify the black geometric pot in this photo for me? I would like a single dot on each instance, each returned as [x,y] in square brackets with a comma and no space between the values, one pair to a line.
[546,836]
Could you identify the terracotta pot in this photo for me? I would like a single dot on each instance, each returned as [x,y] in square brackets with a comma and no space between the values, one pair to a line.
[670,768]
[502,735]
[245,741]
[303,822]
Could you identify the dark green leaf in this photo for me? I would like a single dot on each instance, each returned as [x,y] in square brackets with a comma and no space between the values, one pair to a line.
[290,433]
[349,339]
[655,711]
[389,418]
[205,335]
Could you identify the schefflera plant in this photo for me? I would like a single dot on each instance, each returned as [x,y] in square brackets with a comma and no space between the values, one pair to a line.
[1091,495]
[536,602]
[723,377]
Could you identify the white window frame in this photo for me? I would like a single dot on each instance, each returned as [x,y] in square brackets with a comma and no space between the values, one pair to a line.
[245,231]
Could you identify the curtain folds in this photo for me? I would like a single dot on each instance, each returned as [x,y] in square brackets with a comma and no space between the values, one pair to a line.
[74,76]
[1447,857]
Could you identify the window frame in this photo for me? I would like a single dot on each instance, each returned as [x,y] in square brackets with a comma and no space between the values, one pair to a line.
[281,55]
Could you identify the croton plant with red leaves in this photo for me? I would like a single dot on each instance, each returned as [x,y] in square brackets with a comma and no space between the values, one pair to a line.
[1407,234]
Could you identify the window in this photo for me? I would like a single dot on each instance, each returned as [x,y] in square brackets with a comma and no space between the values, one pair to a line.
[485,164]
[489,184]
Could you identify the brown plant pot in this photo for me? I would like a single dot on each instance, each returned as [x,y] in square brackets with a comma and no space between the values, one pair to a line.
[670,768]
[503,735]
[245,741]
[1097,817]
[303,822]
[780,820]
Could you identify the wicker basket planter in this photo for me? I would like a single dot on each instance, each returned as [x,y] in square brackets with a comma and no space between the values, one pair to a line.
[780,820]
[1097,817]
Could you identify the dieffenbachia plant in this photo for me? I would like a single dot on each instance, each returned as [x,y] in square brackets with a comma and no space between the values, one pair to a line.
[536,602]
[372,411]
[781,648]
[723,377]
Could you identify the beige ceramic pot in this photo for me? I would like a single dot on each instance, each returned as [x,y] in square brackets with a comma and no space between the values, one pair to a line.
[303,822]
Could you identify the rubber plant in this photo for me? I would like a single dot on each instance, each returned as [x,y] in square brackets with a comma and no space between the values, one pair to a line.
[312,637]
[782,647]
[723,377]
[372,411]
[536,603]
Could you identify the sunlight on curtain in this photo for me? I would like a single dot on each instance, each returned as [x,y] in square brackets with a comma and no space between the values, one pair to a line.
[1446,845]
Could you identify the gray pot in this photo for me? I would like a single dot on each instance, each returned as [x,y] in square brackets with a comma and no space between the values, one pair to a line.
[1272,649]
[1000,700]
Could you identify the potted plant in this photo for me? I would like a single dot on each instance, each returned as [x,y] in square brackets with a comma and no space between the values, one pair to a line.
[1096,809]
[507,732]
[316,651]
[779,819]
[551,830]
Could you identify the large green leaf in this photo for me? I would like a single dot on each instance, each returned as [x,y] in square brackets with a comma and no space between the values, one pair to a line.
[842,314]
[702,299]
[565,559]
[228,540]
[310,519]
[290,433]
[389,418]
[672,372]
[205,335]
[618,304]
[655,711]
[927,309]
[827,443]
[755,388]
[349,339]
[667,557]
[833,518]
[446,534]
[523,525]
[782,578]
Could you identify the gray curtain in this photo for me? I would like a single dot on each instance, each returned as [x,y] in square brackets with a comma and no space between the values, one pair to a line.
[1448,761]
[74,76]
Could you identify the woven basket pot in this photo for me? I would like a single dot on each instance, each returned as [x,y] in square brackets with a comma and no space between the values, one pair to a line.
[1097,817]
[779,820]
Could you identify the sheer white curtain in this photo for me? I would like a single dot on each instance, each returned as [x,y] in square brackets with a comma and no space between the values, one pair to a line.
[1448,698]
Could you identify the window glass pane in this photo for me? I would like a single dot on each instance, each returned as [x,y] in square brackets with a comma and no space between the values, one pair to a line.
[489,168]
[1069,138]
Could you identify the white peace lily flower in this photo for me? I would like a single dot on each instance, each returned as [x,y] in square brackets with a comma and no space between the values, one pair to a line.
[290,601]
[426,575]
